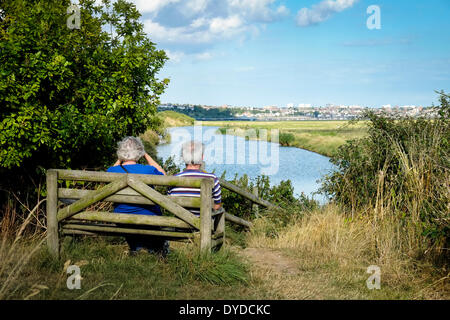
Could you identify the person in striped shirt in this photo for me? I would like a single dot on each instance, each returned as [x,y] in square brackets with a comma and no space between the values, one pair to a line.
[192,154]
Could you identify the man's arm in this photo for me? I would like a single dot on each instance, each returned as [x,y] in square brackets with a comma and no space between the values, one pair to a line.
[153,163]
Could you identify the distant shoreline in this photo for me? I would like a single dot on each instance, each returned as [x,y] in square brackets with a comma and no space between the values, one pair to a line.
[323,137]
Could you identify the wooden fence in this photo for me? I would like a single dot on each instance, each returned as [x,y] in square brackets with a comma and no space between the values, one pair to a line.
[76,218]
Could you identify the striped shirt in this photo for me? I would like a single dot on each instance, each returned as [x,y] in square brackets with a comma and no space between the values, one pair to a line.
[195,192]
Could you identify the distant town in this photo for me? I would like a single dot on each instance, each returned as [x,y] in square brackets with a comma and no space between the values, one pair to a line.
[293,112]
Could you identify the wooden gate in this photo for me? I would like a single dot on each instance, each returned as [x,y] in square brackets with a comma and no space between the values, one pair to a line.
[76,218]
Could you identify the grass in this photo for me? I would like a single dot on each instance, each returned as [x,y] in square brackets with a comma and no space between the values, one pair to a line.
[109,273]
[323,137]
[175,119]
[332,254]
[329,252]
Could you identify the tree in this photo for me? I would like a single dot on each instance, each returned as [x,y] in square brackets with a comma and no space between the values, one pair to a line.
[68,95]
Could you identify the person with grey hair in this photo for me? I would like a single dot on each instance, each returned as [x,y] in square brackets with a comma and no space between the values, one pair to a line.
[192,154]
[129,151]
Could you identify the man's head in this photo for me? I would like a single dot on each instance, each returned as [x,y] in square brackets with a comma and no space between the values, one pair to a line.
[192,152]
[130,149]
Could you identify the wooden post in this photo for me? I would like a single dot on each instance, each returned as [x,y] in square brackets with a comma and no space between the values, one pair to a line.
[255,207]
[205,215]
[52,210]
[221,227]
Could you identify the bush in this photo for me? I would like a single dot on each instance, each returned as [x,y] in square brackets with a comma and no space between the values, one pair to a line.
[69,95]
[401,168]
[281,195]
[286,139]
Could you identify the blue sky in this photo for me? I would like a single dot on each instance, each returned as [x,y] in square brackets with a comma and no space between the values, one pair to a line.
[272,52]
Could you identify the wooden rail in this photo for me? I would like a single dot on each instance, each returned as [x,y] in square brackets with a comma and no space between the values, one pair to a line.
[253,198]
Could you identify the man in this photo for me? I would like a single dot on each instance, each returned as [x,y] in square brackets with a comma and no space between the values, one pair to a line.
[192,154]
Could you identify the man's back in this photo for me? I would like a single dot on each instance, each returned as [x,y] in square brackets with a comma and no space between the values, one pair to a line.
[195,192]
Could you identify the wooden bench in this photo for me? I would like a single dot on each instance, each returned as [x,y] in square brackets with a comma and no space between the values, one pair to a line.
[75,217]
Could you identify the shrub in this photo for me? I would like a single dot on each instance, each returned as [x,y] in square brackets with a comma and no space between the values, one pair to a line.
[281,195]
[286,139]
[69,95]
[402,169]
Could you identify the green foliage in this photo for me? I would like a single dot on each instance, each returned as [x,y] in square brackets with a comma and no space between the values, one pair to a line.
[402,163]
[175,119]
[108,272]
[200,113]
[281,195]
[67,96]
[221,268]
[286,139]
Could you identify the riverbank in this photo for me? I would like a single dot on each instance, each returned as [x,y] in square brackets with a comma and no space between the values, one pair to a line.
[323,137]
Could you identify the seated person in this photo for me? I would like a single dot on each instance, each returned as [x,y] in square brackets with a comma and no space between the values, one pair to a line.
[129,151]
[192,154]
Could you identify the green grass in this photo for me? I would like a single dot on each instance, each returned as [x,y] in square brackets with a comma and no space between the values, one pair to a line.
[323,137]
[175,119]
[109,273]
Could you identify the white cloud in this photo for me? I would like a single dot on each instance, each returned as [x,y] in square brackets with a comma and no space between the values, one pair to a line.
[196,6]
[145,6]
[225,25]
[322,11]
[194,26]
[217,29]
[259,10]
[175,56]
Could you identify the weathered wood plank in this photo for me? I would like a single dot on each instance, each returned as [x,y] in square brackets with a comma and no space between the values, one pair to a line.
[220,229]
[52,211]
[217,243]
[255,207]
[95,176]
[217,235]
[97,195]
[127,195]
[161,233]
[238,220]
[205,215]
[163,201]
[246,194]
[72,232]
[137,219]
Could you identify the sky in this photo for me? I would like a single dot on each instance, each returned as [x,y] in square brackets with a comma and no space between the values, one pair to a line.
[275,52]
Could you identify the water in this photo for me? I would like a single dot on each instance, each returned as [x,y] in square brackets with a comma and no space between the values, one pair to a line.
[236,155]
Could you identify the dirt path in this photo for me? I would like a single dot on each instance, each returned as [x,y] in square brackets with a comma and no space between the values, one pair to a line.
[281,277]
[271,259]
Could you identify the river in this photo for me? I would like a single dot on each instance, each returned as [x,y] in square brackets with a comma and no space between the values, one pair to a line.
[236,155]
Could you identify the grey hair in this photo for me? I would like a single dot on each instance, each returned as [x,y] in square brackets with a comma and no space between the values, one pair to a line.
[130,148]
[192,152]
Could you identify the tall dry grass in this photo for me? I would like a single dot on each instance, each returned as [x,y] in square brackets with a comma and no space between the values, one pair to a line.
[21,238]
[381,234]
